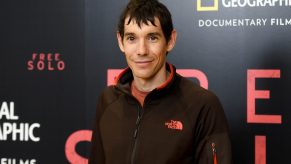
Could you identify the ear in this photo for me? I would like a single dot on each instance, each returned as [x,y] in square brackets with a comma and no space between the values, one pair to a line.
[172,41]
[120,42]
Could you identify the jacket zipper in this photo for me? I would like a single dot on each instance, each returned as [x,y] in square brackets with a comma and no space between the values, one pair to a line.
[135,137]
[214,153]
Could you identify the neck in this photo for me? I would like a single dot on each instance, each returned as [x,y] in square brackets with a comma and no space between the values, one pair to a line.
[147,85]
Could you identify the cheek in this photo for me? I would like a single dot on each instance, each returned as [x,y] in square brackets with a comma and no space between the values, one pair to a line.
[159,52]
[128,58]
[129,50]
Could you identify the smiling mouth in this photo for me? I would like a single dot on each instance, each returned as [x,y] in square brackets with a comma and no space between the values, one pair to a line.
[143,63]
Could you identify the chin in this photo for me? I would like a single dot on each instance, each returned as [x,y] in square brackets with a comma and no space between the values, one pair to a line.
[142,74]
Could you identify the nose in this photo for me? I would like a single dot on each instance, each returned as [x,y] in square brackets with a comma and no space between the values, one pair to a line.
[142,48]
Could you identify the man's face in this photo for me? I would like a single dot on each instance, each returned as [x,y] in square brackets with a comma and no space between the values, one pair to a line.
[145,48]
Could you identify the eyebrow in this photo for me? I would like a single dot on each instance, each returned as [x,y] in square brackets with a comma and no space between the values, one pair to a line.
[150,34]
[155,33]
[129,34]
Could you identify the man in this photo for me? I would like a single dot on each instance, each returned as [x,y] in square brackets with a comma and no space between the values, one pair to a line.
[153,115]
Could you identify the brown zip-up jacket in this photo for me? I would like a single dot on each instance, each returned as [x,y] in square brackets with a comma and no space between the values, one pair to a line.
[180,123]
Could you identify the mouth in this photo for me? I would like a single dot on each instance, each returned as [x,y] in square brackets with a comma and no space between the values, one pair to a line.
[146,61]
[143,63]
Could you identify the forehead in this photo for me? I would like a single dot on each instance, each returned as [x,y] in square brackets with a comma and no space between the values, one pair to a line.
[134,27]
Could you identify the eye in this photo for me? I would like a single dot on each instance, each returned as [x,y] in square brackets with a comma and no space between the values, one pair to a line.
[153,38]
[130,38]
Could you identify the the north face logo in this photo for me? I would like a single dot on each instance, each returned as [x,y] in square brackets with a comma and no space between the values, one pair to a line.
[174,125]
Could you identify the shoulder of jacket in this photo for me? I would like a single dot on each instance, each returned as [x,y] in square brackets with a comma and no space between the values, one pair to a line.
[109,95]
[191,92]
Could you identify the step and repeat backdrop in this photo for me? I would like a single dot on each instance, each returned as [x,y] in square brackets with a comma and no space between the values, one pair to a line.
[56,57]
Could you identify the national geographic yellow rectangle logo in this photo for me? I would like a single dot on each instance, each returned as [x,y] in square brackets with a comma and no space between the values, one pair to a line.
[207,8]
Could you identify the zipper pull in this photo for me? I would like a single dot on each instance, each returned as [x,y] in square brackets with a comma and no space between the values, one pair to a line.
[214,153]
[135,134]
[137,122]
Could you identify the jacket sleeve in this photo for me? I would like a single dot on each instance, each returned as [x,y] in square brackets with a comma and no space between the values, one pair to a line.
[97,152]
[212,142]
